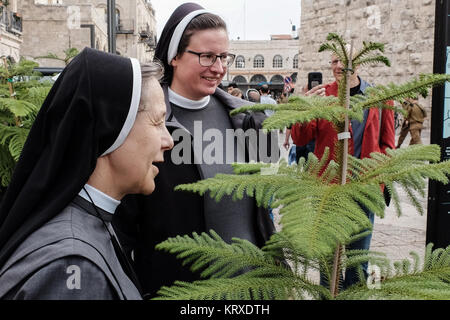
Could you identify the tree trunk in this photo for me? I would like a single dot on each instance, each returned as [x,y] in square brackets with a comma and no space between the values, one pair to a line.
[334,283]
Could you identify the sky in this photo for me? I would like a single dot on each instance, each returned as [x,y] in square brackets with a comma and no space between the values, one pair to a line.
[246,19]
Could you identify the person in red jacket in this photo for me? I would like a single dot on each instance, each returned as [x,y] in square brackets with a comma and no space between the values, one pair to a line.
[373,134]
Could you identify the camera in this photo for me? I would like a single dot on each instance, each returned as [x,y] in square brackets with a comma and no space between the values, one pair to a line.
[314,79]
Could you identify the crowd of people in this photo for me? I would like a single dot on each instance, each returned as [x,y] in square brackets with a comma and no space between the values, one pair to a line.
[92,193]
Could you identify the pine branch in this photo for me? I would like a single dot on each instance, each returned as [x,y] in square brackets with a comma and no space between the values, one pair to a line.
[302,103]
[303,110]
[409,168]
[306,109]
[330,211]
[341,52]
[332,48]
[49,56]
[368,48]
[250,286]
[263,278]
[379,94]
[373,60]
[216,258]
[409,281]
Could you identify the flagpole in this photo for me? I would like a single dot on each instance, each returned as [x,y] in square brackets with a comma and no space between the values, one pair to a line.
[245,19]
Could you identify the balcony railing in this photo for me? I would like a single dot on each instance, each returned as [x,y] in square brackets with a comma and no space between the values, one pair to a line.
[11,21]
[15,25]
[147,37]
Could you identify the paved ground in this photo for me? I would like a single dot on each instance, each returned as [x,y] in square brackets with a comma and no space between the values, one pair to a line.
[398,236]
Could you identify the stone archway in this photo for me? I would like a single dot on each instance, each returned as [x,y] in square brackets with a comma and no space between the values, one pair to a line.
[240,79]
[277,79]
[257,79]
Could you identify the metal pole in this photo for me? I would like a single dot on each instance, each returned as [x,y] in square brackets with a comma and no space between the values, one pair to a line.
[111,17]
[438,217]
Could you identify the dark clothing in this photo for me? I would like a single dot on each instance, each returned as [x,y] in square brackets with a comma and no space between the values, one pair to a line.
[166,213]
[304,151]
[88,112]
[221,215]
[71,257]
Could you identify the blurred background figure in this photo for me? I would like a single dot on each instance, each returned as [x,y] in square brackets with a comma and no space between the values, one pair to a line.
[253,95]
[236,92]
[231,86]
[266,98]
[413,122]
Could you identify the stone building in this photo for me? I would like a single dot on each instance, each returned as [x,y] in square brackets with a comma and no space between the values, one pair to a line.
[10,30]
[136,28]
[56,25]
[259,61]
[406,27]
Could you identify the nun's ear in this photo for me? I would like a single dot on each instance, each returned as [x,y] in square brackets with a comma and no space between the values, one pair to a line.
[174,61]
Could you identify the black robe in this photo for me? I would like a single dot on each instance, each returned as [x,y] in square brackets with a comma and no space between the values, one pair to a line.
[71,257]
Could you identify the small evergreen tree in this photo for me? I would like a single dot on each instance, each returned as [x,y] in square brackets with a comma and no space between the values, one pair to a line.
[69,54]
[319,215]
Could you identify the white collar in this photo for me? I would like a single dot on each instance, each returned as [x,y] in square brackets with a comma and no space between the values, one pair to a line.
[186,103]
[101,200]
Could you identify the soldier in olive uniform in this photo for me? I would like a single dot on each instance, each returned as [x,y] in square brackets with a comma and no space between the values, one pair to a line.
[413,122]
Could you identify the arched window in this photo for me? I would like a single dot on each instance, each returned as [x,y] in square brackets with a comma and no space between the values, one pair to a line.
[239,79]
[258,62]
[257,79]
[117,17]
[277,79]
[240,62]
[277,61]
[295,62]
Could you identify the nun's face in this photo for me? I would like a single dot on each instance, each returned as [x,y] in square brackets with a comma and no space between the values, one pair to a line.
[133,162]
[192,80]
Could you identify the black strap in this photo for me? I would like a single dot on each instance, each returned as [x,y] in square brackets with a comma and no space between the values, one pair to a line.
[126,264]
[121,256]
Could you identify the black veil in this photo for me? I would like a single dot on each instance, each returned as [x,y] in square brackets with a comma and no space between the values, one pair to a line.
[88,112]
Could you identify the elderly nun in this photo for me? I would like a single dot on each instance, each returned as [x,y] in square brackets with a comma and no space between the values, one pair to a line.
[95,139]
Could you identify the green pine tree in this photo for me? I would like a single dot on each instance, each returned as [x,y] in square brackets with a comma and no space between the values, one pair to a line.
[69,54]
[319,207]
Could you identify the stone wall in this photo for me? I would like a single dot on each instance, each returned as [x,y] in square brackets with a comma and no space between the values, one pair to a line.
[53,27]
[406,27]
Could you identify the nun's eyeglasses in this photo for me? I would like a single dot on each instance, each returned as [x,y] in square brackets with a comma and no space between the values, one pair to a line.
[208,59]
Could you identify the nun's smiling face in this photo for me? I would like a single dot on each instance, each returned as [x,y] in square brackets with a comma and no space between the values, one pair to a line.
[192,80]
[133,162]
